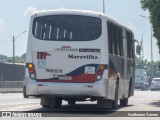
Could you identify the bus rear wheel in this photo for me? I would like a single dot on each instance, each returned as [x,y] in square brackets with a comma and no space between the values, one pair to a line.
[71,102]
[46,106]
[24,93]
[124,102]
[58,103]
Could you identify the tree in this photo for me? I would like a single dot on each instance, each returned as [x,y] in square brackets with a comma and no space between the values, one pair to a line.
[3,58]
[153,6]
[23,57]
[145,65]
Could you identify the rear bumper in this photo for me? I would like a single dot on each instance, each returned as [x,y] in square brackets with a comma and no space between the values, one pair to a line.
[139,86]
[97,89]
[155,88]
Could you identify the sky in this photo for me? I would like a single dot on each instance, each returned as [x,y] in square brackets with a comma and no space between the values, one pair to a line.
[15,18]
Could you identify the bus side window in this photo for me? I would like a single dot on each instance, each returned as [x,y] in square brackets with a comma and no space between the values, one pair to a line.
[120,41]
[112,38]
[129,45]
[109,37]
[115,39]
[121,38]
[133,52]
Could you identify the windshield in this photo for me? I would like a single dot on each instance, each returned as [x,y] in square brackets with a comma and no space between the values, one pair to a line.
[67,28]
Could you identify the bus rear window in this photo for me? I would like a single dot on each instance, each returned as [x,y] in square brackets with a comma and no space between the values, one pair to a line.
[67,28]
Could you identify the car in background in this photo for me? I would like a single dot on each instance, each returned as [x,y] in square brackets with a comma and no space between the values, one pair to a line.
[141,79]
[155,84]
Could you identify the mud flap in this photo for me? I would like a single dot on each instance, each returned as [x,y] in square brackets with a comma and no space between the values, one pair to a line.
[46,100]
[104,103]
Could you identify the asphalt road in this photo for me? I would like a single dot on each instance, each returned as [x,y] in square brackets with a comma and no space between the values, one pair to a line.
[141,101]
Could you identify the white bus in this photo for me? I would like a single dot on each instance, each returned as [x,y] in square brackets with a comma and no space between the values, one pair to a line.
[76,55]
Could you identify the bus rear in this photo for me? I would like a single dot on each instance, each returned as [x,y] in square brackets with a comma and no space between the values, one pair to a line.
[64,56]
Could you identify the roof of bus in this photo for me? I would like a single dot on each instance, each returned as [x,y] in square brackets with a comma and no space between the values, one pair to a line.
[68,11]
[156,78]
[78,12]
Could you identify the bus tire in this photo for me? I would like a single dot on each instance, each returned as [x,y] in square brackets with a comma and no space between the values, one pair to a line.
[130,88]
[71,102]
[115,101]
[24,93]
[46,106]
[58,103]
[124,102]
[143,89]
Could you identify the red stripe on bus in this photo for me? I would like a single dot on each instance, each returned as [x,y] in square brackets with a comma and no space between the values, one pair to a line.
[112,74]
[44,54]
[83,78]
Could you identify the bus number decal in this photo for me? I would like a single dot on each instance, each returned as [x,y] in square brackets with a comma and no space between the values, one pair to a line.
[65,78]
[54,70]
[89,50]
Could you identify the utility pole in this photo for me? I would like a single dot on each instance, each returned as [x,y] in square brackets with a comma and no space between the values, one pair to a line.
[151,50]
[14,45]
[151,55]
[104,6]
[142,54]
[13,50]
[142,48]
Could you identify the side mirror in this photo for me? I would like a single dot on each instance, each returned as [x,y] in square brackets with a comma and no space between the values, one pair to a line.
[135,41]
[138,49]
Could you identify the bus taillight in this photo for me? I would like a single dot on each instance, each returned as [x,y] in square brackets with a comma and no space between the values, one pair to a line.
[30,65]
[100,71]
[101,67]
[31,70]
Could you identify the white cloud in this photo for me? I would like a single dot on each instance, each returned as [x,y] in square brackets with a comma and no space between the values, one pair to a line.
[135,31]
[29,11]
[2,25]
[62,7]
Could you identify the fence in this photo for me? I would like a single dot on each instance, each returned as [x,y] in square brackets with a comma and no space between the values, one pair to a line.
[11,86]
[11,77]
[10,72]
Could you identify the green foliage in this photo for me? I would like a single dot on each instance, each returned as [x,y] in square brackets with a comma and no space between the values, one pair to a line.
[153,6]
[10,59]
[144,64]
[3,58]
